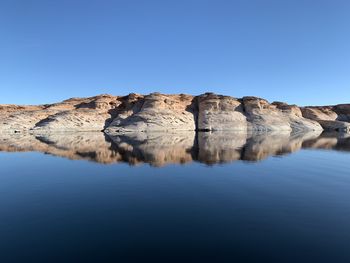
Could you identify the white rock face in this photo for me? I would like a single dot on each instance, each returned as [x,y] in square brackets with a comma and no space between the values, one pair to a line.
[23,120]
[262,116]
[78,120]
[295,118]
[220,113]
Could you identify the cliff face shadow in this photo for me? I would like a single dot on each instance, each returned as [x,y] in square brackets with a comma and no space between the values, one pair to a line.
[159,149]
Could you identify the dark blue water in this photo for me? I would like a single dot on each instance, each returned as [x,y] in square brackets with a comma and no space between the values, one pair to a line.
[290,208]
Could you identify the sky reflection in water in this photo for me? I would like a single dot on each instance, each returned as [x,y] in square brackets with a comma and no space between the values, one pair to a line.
[290,209]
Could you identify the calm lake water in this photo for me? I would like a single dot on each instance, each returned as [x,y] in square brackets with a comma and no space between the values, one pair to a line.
[186,197]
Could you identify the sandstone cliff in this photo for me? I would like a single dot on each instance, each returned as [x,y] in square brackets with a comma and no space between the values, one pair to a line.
[331,118]
[160,112]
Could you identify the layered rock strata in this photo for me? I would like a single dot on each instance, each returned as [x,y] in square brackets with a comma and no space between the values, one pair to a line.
[164,113]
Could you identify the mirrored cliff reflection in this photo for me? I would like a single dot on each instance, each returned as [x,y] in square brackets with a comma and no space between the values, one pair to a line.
[159,149]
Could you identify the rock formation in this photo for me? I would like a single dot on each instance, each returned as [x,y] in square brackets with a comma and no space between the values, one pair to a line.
[159,113]
[155,112]
[331,118]
[90,114]
[216,112]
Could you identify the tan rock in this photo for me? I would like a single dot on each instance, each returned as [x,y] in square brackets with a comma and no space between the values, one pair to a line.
[160,113]
[331,118]
[86,114]
[295,118]
[157,112]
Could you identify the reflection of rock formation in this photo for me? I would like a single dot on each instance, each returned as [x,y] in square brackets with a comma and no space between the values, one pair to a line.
[158,149]
[330,141]
[84,146]
[261,146]
[220,147]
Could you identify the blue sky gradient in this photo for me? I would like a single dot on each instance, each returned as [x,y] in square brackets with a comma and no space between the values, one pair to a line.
[295,51]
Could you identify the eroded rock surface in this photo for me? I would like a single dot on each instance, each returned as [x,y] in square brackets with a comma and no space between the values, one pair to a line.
[157,112]
[220,113]
[168,113]
[86,114]
[331,118]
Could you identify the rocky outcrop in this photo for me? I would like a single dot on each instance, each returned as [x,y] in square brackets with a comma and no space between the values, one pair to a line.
[263,116]
[220,113]
[156,112]
[295,118]
[331,118]
[88,114]
[167,113]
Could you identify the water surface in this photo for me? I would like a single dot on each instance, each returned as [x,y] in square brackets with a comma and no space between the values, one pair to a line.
[183,197]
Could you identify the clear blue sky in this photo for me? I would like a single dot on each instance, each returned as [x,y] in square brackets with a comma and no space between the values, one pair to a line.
[289,50]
